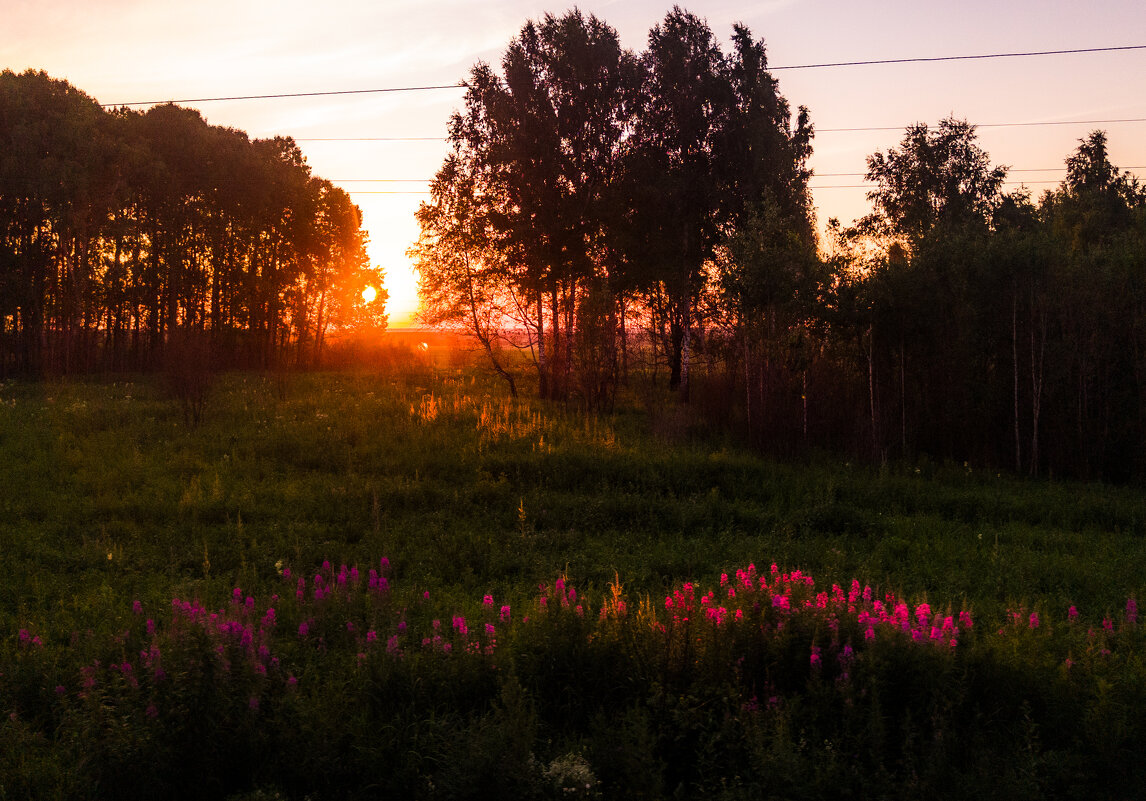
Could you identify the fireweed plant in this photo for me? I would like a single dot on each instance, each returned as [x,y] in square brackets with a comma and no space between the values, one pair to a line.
[271,689]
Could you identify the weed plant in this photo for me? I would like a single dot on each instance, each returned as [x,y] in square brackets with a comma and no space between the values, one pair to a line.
[201,611]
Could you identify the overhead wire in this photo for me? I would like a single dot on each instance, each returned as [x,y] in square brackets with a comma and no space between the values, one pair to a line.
[464,85]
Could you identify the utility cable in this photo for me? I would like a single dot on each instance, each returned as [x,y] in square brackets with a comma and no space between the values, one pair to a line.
[464,85]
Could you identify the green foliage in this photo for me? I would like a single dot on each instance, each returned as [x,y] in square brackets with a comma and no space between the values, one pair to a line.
[470,493]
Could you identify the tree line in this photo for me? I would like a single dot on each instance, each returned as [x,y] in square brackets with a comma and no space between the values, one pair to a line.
[127,235]
[601,209]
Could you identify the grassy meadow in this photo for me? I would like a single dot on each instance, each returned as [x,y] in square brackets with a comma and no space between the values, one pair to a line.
[405,584]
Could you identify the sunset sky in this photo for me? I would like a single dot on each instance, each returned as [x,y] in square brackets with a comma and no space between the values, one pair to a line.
[130,51]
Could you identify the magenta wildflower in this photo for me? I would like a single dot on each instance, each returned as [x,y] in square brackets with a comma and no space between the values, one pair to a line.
[1072,613]
[371,636]
[1108,624]
[487,600]
[426,595]
[303,629]
[291,681]
[1131,610]
[489,630]
[237,595]
[815,658]
[1034,620]
[137,607]
[504,615]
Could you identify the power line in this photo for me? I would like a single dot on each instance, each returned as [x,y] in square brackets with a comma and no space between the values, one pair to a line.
[957,58]
[372,139]
[870,185]
[1009,170]
[463,85]
[989,125]
[818,130]
[289,94]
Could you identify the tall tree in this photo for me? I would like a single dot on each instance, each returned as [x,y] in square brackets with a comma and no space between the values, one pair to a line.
[545,138]
[937,176]
[673,177]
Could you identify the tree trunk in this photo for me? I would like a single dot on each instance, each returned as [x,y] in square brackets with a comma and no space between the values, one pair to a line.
[685,350]
[1015,363]
[542,364]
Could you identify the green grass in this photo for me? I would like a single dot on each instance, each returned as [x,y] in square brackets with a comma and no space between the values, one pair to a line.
[468,492]
[109,497]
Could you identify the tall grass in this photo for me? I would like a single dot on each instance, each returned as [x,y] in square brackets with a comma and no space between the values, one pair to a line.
[112,506]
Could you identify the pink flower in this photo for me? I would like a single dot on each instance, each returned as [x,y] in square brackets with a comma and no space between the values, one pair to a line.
[1072,613]
[1034,620]
[303,629]
[503,616]
[487,600]
[1131,610]
[137,607]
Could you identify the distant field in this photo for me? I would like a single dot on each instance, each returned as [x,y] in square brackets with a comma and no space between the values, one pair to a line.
[107,498]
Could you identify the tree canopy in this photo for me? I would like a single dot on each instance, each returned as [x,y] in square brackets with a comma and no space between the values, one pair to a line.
[118,228]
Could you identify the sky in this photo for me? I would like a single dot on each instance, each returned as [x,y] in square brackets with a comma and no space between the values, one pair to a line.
[132,51]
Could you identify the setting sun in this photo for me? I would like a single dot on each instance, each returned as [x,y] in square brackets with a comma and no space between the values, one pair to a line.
[369,293]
